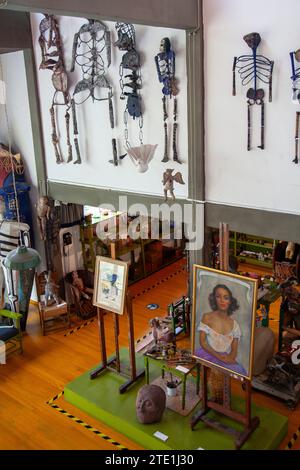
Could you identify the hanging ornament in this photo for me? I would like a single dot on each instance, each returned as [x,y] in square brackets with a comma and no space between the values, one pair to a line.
[88,45]
[165,66]
[52,59]
[141,156]
[253,69]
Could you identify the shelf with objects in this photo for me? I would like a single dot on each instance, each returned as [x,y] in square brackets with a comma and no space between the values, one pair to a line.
[245,252]
[252,249]
[128,238]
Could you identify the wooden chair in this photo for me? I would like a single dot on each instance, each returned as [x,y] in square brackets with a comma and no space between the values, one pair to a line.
[10,333]
[50,314]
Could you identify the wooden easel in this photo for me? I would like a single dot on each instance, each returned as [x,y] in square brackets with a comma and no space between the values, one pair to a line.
[225,408]
[250,423]
[114,363]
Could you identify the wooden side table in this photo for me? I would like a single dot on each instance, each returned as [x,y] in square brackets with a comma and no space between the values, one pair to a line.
[182,373]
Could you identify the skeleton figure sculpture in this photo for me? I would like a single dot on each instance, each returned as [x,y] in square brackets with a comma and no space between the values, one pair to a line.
[131,62]
[165,66]
[131,85]
[52,59]
[168,182]
[295,56]
[89,43]
[253,69]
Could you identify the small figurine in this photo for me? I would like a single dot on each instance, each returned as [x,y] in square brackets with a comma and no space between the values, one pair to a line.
[51,291]
[168,182]
[290,250]
[43,214]
[162,334]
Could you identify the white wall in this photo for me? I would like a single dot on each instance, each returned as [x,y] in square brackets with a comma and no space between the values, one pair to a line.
[95,133]
[264,179]
[14,76]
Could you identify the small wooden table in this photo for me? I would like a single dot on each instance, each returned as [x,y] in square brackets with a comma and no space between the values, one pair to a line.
[182,374]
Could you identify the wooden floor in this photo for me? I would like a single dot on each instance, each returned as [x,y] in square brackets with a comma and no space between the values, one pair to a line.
[28,382]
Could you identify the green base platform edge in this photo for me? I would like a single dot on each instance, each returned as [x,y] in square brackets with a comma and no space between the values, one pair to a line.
[100,398]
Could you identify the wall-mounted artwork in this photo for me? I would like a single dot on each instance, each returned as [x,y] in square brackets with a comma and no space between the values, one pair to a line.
[131,84]
[295,57]
[224,309]
[110,284]
[89,45]
[52,59]
[165,66]
[253,69]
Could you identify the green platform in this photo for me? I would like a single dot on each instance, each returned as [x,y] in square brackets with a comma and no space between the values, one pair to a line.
[101,399]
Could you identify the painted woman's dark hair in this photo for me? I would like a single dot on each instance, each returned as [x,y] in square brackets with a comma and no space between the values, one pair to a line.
[213,303]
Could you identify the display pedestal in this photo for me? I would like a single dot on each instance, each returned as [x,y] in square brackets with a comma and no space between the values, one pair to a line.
[101,399]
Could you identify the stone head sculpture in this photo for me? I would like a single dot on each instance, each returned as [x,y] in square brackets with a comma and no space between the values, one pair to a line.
[150,404]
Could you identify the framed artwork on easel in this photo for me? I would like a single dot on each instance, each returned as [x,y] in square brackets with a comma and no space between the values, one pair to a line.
[110,284]
[223,322]
[111,295]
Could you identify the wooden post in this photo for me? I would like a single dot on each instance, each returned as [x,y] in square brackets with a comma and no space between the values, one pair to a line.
[134,375]
[105,363]
[131,336]
[102,336]
[116,328]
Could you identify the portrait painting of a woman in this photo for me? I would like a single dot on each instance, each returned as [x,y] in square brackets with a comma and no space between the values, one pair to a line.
[219,334]
[223,320]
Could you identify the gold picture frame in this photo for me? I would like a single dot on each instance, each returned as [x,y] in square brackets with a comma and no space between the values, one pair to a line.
[110,284]
[223,320]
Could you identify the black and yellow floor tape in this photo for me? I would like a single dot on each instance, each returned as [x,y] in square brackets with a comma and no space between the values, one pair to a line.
[82,423]
[292,441]
[86,323]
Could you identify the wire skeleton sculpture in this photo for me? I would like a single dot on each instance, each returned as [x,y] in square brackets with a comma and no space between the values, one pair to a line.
[253,69]
[131,85]
[52,59]
[88,45]
[165,66]
[295,56]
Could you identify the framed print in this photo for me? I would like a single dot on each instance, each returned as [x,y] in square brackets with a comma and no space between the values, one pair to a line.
[223,320]
[110,284]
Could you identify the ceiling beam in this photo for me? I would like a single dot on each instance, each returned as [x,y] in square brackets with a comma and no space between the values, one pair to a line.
[165,13]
